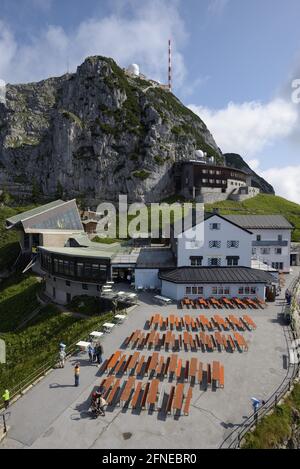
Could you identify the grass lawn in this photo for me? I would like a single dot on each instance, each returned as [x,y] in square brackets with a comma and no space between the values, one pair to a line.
[9,244]
[275,429]
[260,205]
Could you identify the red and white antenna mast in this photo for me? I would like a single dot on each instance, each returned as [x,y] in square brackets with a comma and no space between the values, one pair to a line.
[170,68]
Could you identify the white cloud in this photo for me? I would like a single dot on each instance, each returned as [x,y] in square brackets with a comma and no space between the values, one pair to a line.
[285,181]
[249,127]
[140,37]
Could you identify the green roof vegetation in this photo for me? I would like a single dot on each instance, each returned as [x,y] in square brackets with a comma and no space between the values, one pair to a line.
[262,204]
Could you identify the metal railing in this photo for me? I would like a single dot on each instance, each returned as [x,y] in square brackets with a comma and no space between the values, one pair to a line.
[234,439]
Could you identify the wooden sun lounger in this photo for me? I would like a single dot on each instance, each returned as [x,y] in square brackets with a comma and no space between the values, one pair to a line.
[133,361]
[140,366]
[145,394]
[128,340]
[193,368]
[105,364]
[221,376]
[178,398]
[126,364]
[173,364]
[153,390]
[208,374]
[113,392]
[153,362]
[160,366]
[200,372]
[107,385]
[114,360]
[249,322]
[216,372]
[130,384]
[166,366]
[170,400]
[120,364]
[136,395]
[187,403]
[187,370]
[219,340]
[179,369]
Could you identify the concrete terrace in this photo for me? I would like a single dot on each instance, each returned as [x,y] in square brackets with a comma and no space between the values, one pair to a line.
[54,414]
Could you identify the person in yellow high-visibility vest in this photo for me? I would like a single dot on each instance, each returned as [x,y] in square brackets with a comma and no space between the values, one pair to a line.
[6,398]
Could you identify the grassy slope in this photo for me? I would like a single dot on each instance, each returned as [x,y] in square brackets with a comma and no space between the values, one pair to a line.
[9,245]
[263,204]
[275,429]
[37,344]
[17,300]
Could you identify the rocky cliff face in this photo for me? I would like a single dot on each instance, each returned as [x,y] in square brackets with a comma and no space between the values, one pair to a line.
[236,161]
[96,133]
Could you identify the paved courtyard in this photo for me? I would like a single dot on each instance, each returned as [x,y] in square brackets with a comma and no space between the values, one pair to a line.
[54,414]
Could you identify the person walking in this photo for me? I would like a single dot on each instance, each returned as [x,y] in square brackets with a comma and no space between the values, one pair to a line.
[62,357]
[6,398]
[99,353]
[77,374]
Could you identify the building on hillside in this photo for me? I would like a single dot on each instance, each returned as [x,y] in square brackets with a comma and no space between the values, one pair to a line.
[208,182]
[218,264]
[48,225]
[194,282]
[295,254]
[271,239]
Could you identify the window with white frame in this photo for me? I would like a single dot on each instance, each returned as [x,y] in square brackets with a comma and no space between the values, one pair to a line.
[215,226]
[265,250]
[214,261]
[214,290]
[196,261]
[233,244]
[247,290]
[215,244]
[188,290]
[233,261]
[278,250]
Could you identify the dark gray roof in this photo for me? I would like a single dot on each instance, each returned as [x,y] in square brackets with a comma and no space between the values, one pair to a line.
[216,275]
[270,222]
[155,258]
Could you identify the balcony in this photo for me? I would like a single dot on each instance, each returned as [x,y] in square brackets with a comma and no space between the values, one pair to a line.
[276,243]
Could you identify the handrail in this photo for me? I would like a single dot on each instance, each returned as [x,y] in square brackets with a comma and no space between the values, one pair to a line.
[234,439]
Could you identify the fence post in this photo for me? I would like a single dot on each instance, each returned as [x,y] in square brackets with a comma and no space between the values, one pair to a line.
[276,399]
[4,424]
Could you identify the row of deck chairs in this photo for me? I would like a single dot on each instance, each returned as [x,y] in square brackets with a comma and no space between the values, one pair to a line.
[220,303]
[170,341]
[152,394]
[200,323]
[149,395]
[161,367]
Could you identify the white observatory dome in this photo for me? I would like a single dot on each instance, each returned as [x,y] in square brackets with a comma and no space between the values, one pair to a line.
[134,69]
[199,154]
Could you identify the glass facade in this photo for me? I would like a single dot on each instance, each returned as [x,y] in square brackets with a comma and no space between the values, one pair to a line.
[75,267]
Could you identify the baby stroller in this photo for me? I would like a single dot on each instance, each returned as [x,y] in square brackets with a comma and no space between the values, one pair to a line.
[96,404]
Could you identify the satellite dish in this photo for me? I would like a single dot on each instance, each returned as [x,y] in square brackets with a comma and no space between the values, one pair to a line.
[134,69]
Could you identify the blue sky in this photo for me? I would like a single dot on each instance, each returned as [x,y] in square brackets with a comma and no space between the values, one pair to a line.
[234,62]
